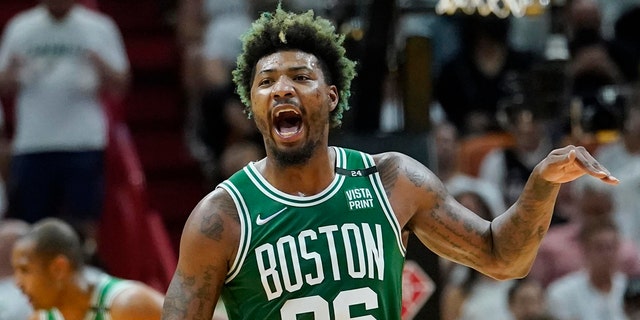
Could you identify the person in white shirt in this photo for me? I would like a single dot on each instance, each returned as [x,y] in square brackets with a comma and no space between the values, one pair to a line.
[595,292]
[58,58]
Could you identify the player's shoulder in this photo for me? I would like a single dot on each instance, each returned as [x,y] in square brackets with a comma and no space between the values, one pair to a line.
[393,160]
[389,156]
[215,209]
[218,199]
[136,300]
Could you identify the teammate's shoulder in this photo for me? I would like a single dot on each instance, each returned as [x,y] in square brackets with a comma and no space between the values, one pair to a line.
[136,300]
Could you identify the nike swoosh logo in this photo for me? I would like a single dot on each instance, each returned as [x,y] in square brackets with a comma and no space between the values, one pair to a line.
[260,221]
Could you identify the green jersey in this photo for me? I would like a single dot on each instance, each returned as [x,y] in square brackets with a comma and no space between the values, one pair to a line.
[106,289]
[334,255]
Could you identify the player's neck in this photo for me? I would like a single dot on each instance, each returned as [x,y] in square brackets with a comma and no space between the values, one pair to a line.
[76,298]
[305,179]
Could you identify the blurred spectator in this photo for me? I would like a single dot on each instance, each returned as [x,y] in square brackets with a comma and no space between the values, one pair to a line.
[217,117]
[622,157]
[445,151]
[632,298]
[509,168]
[595,291]
[583,24]
[527,300]
[469,294]
[625,150]
[13,305]
[485,71]
[592,74]
[625,45]
[56,58]
[560,252]
[49,268]
[237,156]
[594,77]
[194,17]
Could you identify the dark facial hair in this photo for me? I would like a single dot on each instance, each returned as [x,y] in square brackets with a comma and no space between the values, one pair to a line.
[294,157]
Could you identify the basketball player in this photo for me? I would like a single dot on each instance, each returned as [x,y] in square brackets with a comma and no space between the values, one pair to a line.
[48,268]
[319,232]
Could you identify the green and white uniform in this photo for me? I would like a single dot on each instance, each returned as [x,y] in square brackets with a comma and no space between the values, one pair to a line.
[334,255]
[105,291]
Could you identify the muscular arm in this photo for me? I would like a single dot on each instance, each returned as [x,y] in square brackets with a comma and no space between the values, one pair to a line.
[504,248]
[207,249]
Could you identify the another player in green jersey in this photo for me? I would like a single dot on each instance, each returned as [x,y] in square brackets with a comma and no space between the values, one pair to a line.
[48,266]
[318,232]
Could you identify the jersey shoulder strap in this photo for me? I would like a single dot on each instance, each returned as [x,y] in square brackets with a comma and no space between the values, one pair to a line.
[51,314]
[99,307]
[104,294]
[355,163]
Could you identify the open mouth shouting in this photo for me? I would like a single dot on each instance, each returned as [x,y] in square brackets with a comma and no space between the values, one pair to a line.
[287,122]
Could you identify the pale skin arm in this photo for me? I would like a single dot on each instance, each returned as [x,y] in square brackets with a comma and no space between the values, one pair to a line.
[207,249]
[140,302]
[502,249]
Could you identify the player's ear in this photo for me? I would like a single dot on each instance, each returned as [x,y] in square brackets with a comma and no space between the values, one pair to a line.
[60,267]
[334,97]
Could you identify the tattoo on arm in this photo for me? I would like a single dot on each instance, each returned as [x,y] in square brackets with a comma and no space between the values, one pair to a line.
[212,224]
[177,298]
[185,291]
[389,170]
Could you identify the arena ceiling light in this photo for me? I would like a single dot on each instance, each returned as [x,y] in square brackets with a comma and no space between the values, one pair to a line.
[500,8]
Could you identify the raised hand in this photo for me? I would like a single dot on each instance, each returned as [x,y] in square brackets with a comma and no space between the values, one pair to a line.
[570,163]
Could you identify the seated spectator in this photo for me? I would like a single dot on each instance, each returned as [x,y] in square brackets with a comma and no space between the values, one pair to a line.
[509,168]
[49,268]
[595,292]
[527,300]
[217,118]
[488,68]
[560,252]
[445,151]
[13,304]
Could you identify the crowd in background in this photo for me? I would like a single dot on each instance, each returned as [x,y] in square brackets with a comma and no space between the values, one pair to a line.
[514,88]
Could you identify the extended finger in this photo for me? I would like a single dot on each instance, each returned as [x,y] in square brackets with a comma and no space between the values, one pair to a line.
[593,167]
